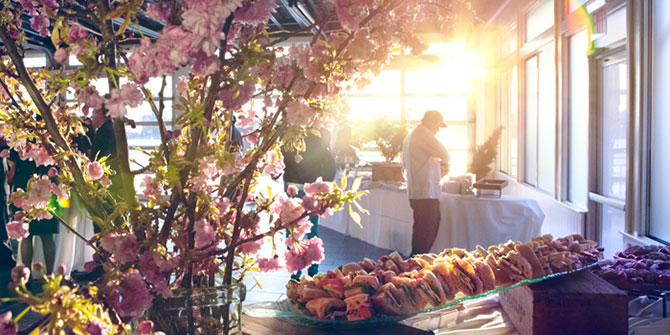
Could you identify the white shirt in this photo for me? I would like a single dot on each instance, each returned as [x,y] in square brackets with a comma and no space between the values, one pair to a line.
[422,153]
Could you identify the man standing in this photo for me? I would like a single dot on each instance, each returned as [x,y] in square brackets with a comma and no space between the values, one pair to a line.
[423,158]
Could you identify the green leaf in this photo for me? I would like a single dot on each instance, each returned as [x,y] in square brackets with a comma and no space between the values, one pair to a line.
[356,184]
[344,180]
[258,282]
[355,217]
[18,317]
[360,208]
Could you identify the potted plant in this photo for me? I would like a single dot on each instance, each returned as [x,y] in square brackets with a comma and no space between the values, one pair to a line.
[388,136]
[187,246]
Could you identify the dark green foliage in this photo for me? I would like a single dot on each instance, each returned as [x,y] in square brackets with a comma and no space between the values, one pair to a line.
[484,155]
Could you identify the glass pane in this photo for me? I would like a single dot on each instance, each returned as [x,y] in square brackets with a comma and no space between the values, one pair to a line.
[539,19]
[546,143]
[143,136]
[612,221]
[454,136]
[514,124]
[138,159]
[531,121]
[660,153]
[503,118]
[388,82]
[578,120]
[372,108]
[35,60]
[614,130]
[452,108]
[144,112]
[458,162]
[432,81]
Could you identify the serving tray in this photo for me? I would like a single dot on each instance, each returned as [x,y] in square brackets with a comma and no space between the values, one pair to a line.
[284,309]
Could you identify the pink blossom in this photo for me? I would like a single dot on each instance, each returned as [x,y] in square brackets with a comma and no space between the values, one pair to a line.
[234,99]
[95,328]
[299,112]
[252,137]
[222,205]
[50,4]
[182,86]
[257,12]
[205,65]
[251,247]
[145,327]
[298,158]
[151,189]
[304,254]
[40,24]
[105,181]
[94,100]
[18,229]
[122,246]
[20,274]
[204,233]
[158,13]
[205,19]
[61,269]
[269,264]
[288,209]
[298,233]
[247,120]
[344,15]
[319,186]
[131,297]
[175,44]
[7,325]
[274,164]
[77,33]
[52,172]
[154,274]
[59,191]
[94,171]
[129,95]
[60,56]
[90,266]
[39,192]
[37,154]
[292,190]
[28,6]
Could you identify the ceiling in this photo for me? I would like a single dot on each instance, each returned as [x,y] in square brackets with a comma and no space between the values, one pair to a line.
[290,16]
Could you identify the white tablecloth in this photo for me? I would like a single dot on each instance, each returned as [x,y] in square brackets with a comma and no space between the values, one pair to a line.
[466,220]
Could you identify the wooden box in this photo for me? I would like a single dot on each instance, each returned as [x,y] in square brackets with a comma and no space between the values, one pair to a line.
[387,171]
[579,303]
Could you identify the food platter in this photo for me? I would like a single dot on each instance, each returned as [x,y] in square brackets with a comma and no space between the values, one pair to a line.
[284,309]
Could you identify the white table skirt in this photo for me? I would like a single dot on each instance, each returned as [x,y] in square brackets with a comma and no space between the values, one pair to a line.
[466,221]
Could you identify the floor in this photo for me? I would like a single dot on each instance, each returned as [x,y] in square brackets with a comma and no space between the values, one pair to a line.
[339,249]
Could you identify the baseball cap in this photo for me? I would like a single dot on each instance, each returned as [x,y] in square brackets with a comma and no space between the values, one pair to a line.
[434,116]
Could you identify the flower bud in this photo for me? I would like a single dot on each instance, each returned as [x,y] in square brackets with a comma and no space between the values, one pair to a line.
[38,266]
[20,274]
[145,327]
[61,269]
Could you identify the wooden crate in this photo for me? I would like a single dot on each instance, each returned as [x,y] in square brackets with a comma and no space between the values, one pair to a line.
[387,171]
[579,303]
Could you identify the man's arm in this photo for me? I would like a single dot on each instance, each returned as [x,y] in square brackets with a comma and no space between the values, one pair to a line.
[433,146]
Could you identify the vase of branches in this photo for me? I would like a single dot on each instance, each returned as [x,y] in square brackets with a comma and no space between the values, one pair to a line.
[388,136]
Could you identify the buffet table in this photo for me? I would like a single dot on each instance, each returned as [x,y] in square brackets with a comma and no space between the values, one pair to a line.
[466,220]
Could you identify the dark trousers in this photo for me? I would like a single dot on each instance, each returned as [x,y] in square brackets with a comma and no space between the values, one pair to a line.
[426,224]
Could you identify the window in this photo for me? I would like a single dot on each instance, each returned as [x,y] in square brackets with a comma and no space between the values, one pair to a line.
[508,119]
[539,19]
[541,120]
[660,153]
[578,120]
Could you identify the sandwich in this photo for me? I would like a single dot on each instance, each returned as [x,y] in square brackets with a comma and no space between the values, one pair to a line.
[332,284]
[358,307]
[526,252]
[430,288]
[324,308]
[454,252]
[449,287]
[410,300]
[368,264]
[484,273]
[501,276]
[466,277]
[387,300]
[384,276]
[386,263]
[292,290]
[362,284]
[308,294]
[515,266]
[351,268]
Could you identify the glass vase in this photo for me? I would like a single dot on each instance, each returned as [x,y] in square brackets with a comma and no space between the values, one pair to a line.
[213,310]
